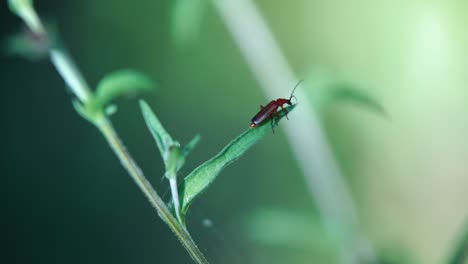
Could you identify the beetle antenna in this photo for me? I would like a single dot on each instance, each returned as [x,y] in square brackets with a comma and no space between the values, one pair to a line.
[290,97]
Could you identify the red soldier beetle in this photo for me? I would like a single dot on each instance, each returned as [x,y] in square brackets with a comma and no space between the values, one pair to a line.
[270,111]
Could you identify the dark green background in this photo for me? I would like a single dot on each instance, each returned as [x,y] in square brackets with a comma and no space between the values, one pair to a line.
[67,199]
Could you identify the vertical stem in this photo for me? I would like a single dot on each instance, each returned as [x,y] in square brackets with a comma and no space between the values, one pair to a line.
[175,197]
[135,172]
[460,253]
[309,143]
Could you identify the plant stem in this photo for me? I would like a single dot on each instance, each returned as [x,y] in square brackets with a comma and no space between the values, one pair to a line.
[135,172]
[175,197]
[75,81]
[460,254]
[70,74]
[309,143]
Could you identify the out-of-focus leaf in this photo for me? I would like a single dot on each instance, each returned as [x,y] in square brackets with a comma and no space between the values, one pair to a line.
[27,45]
[283,228]
[81,110]
[347,93]
[123,82]
[325,89]
[31,45]
[17,5]
[186,20]
[203,176]
[163,140]
[111,109]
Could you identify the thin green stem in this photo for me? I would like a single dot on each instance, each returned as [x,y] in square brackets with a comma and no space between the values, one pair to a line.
[74,79]
[70,74]
[135,172]
[25,10]
[309,143]
[175,197]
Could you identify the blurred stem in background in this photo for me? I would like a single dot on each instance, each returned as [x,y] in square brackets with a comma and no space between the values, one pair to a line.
[325,181]
[88,105]
[460,251]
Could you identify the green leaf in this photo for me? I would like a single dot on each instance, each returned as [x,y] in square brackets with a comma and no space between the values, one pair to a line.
[184,152]
[171,151]
[286,228]
[175,161]
[186,20]
[26,45]
[111,109]
[81,110]
[163,140]
[16,6]
[203,176]
[191,145]
[123,82]
[30,45]
[333,93]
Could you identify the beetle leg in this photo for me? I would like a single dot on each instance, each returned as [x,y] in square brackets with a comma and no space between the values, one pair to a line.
[272,123]
[277,117]
[286,110]
[274,117]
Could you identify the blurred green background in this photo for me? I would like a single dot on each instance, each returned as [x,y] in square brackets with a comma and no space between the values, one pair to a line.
[68,200]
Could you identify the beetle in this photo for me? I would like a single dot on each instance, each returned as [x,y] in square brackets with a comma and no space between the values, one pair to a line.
[270,111]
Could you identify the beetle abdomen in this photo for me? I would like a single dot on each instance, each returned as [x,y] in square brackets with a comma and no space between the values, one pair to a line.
[264,114]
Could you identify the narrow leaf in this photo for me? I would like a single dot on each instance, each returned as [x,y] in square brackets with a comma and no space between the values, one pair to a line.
[123,82]
[347,93]
[175,161]
[191,145]
[81,110]
[203,176]
[163,140]
[31,45]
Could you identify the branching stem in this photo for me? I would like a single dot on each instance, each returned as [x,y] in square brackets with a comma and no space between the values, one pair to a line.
[76,82]
[135,172]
